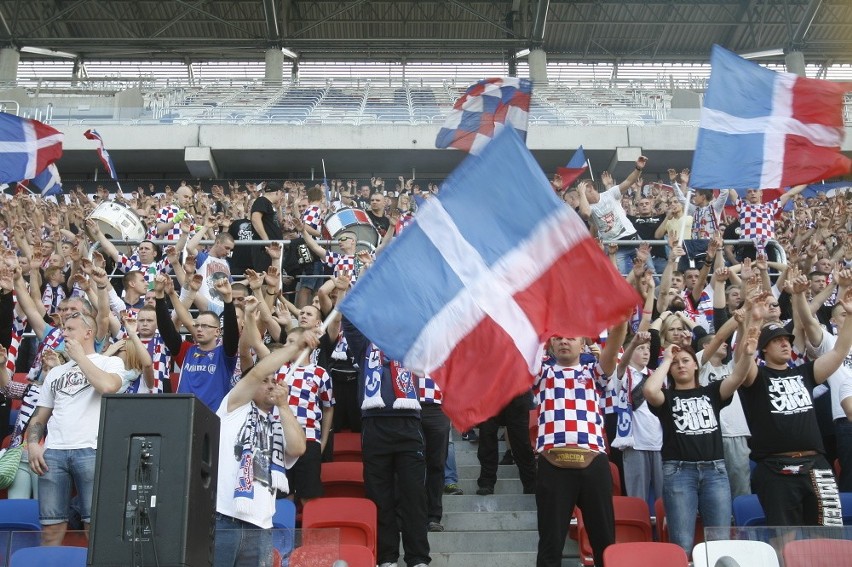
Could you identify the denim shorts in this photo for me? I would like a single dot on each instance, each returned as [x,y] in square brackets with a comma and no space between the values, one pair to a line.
[316,268]
[65,466]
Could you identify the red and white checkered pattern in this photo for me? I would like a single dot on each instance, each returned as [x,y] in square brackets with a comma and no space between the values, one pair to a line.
[757,222]
[427,391]
[341,263]
[130,263]
[310,392]
[162,360]
[312,217]
[568,412]
[167,214]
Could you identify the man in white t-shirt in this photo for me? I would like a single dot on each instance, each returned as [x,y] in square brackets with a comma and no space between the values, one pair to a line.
[608,217]
[213,265]
[259,438]
[71,399]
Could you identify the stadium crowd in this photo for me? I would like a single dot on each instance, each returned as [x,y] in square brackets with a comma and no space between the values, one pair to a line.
[738,350]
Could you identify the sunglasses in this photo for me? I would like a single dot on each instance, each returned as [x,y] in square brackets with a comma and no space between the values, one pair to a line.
[205,326]
[78,315]
[344,238]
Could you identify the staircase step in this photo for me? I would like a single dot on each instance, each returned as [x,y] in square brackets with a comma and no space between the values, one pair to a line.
[470,502]
[488,521]
[472,471]
[487,541]
[503,486]
[506,559]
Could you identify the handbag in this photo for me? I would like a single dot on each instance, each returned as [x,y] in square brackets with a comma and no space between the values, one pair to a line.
[9,461]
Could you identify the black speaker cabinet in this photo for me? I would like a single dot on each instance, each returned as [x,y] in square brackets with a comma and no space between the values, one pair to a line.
[155,482]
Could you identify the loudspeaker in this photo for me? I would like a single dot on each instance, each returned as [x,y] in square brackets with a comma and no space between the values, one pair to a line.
[154,498]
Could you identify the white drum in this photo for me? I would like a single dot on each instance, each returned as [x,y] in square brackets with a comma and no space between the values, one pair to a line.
[118,222]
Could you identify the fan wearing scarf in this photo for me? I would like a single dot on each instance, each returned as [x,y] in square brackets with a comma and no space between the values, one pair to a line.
[259,439]
[393,451]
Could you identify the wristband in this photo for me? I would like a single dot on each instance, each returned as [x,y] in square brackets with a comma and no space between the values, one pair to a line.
[647,312]
[273,293]
[102,287]
[638,168]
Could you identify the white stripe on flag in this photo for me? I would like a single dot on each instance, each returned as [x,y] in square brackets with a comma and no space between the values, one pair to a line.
[774,137]
[489,291]
[31,141]
[718,121]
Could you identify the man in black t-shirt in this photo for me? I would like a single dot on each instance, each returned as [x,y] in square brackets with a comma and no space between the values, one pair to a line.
[793,480]
[646,223]
[240,259]
[377,213]
[264,221]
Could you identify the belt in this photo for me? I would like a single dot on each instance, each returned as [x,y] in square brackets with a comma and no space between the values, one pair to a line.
[796,454]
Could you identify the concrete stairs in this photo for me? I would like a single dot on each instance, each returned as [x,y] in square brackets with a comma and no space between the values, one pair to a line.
[497,530]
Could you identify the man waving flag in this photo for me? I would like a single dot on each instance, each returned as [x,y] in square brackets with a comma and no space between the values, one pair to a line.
[760,129]
[480,280]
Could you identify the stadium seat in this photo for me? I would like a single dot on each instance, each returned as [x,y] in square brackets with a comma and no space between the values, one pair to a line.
[19,515]
[56,556]
[355,517]
[344,478]
[347,446]
[745,553]
[663,528]
[632,524]
[616,479]
[748,511]
[645,554]
[314,555]
[285,514]
[846,505]
[818,553]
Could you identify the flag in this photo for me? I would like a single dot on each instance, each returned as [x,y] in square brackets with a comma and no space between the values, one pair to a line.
[762,129]
[482,111]
[575,168]
[102,152]
[27,147]
[48,181]
[481,279]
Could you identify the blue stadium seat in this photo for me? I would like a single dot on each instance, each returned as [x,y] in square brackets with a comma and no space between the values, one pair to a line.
[56,556]
[19,515]
[748,511]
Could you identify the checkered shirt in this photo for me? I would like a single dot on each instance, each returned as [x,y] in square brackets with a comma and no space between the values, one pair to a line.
[568,412]
[167,214]
[312,217]
[343,263]
[310,392]
[131,263]
[427,391]
[757,222]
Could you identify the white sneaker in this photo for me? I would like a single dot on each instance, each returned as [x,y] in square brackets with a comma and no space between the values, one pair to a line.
[388,565]
[421,565]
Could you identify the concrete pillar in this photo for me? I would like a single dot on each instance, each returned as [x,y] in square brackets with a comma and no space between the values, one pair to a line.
[795,61]
[538,66]
[274,66]
[9,58]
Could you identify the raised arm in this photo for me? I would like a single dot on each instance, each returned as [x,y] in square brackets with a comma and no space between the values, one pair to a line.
[828,363]
[742,367]
[108,247]
[653,388]
[170,335]
[640,164]
[782,200]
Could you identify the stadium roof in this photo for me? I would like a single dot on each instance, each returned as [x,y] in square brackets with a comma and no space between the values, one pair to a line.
[413,30]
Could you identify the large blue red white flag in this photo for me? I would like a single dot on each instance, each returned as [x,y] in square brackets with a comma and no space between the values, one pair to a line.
[473,288]
[27,147]
[485,109]
[763,129]
[576,166]
[103,154]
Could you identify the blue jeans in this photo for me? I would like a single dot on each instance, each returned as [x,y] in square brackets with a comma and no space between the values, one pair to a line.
[451,475]
[690,488]
[239,543]
[54,487]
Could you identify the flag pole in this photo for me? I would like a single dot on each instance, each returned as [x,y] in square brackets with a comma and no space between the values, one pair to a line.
[589,166]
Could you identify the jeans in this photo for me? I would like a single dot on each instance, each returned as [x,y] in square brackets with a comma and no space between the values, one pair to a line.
[240,543]
[451,473]
[690,488]
[54,487]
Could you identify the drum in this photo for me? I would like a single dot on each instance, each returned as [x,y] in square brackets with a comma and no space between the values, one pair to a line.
[352,220]
[118,222]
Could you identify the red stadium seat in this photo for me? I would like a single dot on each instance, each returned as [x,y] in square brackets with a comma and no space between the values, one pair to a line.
[645,554]
[343,478]
[355,517]
[616,479]
[347,446]
[818,553]
[632,524]
[313,555]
